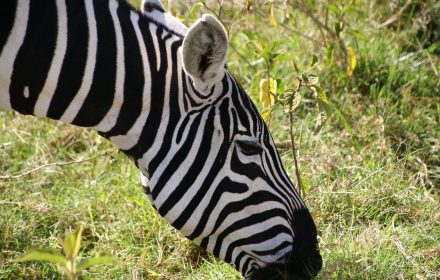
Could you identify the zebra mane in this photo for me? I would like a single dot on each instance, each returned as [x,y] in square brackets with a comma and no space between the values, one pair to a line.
[126,5]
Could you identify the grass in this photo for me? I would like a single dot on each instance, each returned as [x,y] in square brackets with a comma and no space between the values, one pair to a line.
[376,204]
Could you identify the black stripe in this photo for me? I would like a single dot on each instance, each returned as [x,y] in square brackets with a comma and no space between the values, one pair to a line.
[255,239]
[182,127]
[72,71]
[283,187]
[255,198]
[174,114]
[246,222]
[217,165]
[179,157]
[7,16]
[185,92]
[157,91]
[274,250]
[241,112]
[250,108]
[251,170]
[238,259]
[225,186]
[100,98]
[134,76]
[35,56]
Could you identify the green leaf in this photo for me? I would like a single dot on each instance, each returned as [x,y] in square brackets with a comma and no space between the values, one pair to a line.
[296,83]
[320,121]
[283,57]
[324,108]
[258,48]
[358,34]
[352,61]
[332,7]
[310,79]
[195,9]
[43,255]
[273,20]
[95,261]
[280,85]
[265,115]
[296,101]
[321,94]
[348,8]
[268,88]
[314,61]
[329,54]
[72,243]
[313,80]
[249,34]
[338,29]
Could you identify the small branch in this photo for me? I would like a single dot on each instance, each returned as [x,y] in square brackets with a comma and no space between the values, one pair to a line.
[394,17]
[292,142]
[321,26]
[307,37]
[9,177]
[302,7]
[232,46]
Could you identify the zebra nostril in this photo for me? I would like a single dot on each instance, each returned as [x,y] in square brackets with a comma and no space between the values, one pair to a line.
[298,266]
[313,264]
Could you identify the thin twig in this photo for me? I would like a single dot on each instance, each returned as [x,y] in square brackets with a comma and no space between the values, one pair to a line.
[394,17]
[9,177]
[232,46]
[303,8]
[302,35]
[295,160]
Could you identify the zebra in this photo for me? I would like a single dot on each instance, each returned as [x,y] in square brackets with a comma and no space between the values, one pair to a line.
[161,93]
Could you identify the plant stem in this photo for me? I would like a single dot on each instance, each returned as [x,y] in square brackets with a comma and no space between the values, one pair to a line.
[292,143]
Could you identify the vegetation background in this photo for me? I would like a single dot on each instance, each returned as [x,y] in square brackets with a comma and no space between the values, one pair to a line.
[367,141]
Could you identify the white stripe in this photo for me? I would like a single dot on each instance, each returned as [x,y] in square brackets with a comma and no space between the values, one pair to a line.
[43,102]
[10,50]
[180,77]
[74,107]
[166,103]
[126,142]
[179,174]
[153,31]
[251,230]
[109,121]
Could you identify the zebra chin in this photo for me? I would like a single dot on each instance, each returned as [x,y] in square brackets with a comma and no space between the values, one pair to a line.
[293,269]
[303,262]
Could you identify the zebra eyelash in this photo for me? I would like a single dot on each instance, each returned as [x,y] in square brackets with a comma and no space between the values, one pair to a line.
[249,148]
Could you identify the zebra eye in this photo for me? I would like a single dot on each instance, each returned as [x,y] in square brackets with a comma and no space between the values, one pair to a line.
[249,148]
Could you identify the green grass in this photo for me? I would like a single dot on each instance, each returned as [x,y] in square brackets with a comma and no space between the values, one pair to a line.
[376,204]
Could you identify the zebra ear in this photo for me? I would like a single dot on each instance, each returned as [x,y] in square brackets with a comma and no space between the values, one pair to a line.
[204,52]
[149,6]
[155,10]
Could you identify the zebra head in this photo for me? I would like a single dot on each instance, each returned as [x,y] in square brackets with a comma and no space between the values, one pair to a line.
[220,180]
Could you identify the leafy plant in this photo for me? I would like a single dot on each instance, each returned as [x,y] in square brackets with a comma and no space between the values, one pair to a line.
[67,263]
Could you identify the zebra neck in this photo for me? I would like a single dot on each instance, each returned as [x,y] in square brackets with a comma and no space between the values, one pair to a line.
[97,64]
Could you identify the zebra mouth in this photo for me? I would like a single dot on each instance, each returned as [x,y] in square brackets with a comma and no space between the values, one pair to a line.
[293,269]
